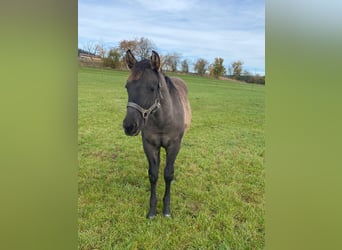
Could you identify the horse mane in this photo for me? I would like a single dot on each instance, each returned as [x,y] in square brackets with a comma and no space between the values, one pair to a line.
[177,87]
[169,83]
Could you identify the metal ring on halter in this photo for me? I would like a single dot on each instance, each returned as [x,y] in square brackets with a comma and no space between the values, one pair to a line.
[144,112]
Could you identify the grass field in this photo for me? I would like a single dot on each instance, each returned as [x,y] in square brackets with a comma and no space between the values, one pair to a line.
[217,198]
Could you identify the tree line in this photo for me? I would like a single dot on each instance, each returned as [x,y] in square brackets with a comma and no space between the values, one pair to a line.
[142,48]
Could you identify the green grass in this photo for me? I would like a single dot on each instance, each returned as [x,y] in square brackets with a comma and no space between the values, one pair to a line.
[217,198]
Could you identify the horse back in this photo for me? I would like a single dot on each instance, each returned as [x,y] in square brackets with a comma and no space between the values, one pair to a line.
[183,94]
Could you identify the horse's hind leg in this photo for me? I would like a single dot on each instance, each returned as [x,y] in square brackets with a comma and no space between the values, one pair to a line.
[171,154]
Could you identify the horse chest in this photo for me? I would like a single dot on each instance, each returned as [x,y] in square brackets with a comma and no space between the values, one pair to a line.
[161,139]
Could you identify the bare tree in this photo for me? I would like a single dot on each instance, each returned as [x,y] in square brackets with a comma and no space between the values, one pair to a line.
[170,62]
[230,71]
[101,51]
[174,61]
[91,47]
[185,66]
[144,47]
[166,62]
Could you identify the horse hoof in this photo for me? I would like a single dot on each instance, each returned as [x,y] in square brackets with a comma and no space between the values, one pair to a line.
[168,215]
[150,216]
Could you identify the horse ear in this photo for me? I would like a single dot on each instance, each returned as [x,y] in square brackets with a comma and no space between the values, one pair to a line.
[130,59]
[155,61]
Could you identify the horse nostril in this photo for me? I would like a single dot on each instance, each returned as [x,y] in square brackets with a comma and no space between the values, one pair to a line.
[130,129]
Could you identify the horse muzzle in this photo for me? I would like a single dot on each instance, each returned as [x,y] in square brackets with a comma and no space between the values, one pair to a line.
[131,125]
[131,129]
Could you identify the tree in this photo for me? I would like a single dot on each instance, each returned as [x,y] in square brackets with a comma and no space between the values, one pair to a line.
[166,62]
[258,79]
[201,66]
[125,45]
[237,69]
[185,66]
[92,48]
[217,69]
[113,59]
[101,49]
[144,47]
[170,62]
[141,48]
[230,71]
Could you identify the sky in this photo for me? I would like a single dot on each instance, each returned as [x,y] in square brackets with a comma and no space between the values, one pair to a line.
[232,29]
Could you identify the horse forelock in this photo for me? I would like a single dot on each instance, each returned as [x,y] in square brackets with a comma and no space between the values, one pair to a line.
[138,69]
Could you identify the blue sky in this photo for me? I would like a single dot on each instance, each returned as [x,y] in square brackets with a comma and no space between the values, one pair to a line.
[231,29]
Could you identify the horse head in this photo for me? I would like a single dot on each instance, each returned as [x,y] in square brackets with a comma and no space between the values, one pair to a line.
[143,89]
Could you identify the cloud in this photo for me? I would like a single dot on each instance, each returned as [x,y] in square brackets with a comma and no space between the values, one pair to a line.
[166,5]
[233,30]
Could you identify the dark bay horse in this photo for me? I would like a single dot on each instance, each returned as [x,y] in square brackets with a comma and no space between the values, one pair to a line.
[158,107]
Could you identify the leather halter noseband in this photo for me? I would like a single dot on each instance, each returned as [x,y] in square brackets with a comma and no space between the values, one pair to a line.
[145,112]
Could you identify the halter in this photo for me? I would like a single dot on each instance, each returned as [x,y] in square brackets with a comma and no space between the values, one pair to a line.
[145,112]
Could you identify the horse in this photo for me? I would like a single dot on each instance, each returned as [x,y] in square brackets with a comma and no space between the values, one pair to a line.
[158,107]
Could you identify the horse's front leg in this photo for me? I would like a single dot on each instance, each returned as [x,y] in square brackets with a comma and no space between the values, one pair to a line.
[153,156]
[171,154]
